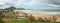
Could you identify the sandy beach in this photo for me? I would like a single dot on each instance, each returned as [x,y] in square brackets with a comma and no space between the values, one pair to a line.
[46,16]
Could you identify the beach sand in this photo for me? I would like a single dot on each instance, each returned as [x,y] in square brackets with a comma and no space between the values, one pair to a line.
[46,16]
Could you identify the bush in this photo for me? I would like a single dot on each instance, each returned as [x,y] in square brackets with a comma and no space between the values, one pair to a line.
[40,19]
[54,19]
[31,18]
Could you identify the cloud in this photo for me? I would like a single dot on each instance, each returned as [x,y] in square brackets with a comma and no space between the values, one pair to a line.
[5,6]
[24,2]
[3,3]
[34,2]
[51,3]
[19,2]
[30,2]
[54,3]
[8,1]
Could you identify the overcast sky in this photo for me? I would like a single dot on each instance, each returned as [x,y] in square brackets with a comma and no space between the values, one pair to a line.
[31,4]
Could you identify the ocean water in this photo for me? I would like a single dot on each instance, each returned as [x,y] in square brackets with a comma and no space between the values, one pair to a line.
[43,11]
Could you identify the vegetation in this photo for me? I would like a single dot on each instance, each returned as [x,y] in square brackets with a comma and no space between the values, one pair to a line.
[9,13]
[31,18]
[25,21]
[26,15]
[54,19]
[1,16]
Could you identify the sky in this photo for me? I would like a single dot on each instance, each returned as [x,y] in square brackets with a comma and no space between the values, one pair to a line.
[31,4]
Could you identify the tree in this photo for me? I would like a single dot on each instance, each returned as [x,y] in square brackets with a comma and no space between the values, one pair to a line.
[1,16]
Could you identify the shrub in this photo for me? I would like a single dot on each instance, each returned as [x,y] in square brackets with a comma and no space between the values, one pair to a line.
[40,19]
[46,20]
[31,18]
[54,19]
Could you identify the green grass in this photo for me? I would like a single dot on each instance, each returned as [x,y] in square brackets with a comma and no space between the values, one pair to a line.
[17,21]
[25,21]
